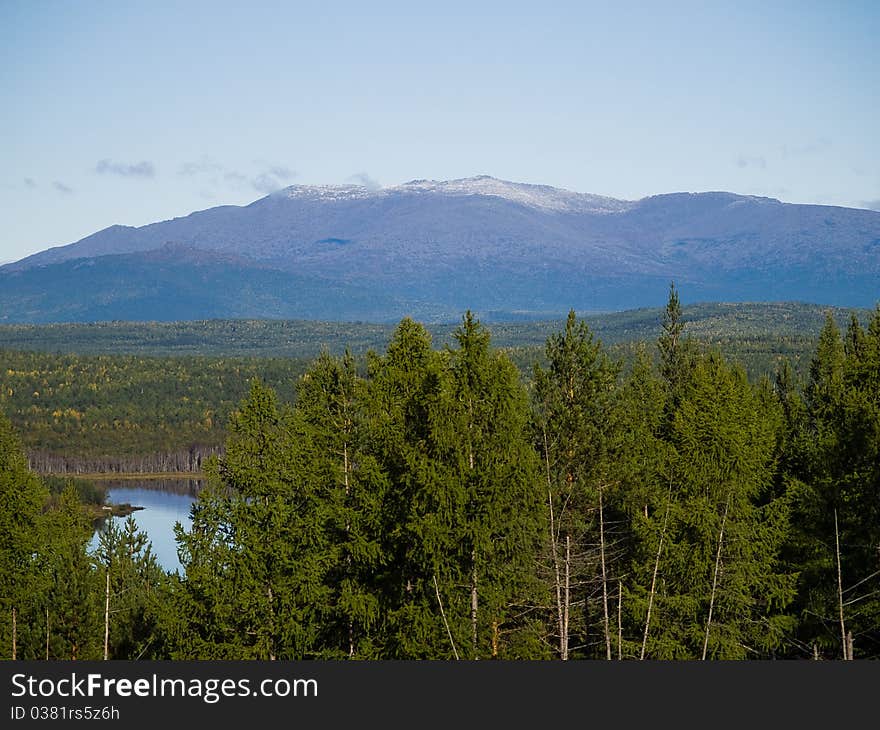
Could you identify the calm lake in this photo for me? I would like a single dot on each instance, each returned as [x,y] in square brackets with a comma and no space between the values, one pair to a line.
[165,501]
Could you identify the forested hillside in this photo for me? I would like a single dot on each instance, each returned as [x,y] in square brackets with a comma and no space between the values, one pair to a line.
[793,323]
[88,414]
[435,505]
[156,397]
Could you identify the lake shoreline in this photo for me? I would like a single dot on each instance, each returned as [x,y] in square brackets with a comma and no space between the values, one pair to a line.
[134,476]
[123,509]
[159,510]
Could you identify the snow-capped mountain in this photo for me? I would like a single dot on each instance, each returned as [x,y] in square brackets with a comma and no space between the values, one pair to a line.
[540,197]
[433,248]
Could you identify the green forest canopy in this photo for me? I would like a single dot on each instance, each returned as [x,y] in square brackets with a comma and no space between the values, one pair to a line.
[433,504]
[155,396]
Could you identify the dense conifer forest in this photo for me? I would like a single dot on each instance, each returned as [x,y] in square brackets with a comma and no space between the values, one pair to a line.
[432,502]
[156,397]
[786,325]
[125,413]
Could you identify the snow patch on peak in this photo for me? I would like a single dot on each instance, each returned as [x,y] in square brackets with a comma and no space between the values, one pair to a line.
[542,197]
[535,196]
[328,192]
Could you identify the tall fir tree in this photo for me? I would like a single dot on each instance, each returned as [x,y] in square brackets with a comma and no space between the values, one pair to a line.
[135,590]
[826,373]
[329,425]
[22,498]
[726,592]
[483,519]
[677,352]
[643,462]
[708,577]
[256,557]
[404,386]
[838,511]
[814,465]
[574,399]
[73,588]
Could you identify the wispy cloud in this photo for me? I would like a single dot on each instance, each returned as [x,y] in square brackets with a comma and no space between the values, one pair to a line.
[272,179]
[61,187]
[362,178]
[266,184]
[212,173]
[281,172]
[143,169]
[203,166]
[266,178]
[234,178]
[745,161]
[29,182]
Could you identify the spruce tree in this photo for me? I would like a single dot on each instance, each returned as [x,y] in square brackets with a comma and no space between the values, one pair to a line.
[135,590]
[403,387]
[826,373]
[202,620]
[794,414]
[482,520]
[256,556]
[677,352]
[329,425]
[728,527]
[643,462]
[671,340]
[22,498]
[73,589]
[707,555]
[841,509]
[821,517]
[575,401]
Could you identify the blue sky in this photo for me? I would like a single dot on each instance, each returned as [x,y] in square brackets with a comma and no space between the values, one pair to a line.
[133,112]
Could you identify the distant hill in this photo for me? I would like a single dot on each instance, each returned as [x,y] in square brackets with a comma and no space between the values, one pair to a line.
[429,249]
[711,323]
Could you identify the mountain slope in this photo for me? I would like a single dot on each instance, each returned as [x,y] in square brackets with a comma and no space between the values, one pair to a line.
[432,249]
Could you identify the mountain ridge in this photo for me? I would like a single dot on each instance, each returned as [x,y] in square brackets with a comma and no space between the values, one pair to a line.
[438,247]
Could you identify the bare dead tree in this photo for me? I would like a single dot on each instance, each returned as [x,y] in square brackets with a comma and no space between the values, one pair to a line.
[843,642]
[560,612]
[443,616]
[715,576]
[656,568]
[107,617]
[345,470]
[619,620]
[474,602]
[604,578]
[567,604]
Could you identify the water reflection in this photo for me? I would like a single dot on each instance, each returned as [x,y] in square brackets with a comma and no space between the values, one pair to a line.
[164,502]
